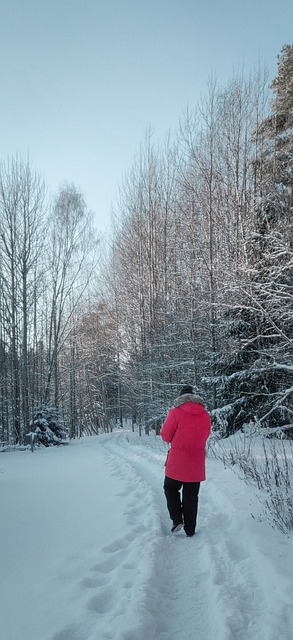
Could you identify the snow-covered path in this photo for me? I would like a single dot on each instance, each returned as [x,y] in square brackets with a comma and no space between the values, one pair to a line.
[86,551]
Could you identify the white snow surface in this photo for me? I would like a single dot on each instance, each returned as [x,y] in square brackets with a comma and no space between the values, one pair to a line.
[86,551]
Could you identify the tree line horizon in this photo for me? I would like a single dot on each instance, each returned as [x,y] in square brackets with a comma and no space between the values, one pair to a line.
[193,285]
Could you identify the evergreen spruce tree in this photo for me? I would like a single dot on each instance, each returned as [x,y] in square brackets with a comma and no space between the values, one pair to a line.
[48,426]
[256,381]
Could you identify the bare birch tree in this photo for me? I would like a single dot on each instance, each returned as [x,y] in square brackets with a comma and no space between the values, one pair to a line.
[72,257]
[22,194]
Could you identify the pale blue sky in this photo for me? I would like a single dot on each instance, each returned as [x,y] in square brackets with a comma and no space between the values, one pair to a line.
[82,80]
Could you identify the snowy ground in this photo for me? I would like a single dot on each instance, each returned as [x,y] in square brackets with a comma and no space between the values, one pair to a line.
[86,551]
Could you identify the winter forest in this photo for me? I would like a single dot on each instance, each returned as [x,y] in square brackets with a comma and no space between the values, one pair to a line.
[195,284]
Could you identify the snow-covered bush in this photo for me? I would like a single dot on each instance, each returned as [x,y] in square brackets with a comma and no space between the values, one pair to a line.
[265,463]
[48,426]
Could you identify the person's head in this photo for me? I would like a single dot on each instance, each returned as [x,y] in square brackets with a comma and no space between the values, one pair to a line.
[186,389]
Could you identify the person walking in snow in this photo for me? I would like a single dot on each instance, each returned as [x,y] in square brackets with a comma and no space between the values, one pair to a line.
[187,428]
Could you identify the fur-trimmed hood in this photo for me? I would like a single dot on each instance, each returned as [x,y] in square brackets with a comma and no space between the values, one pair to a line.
[188,397]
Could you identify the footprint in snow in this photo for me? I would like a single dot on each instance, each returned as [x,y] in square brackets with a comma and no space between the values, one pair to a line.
[100,580]
[71,632]
[117,545]
[103,602]
[108,565]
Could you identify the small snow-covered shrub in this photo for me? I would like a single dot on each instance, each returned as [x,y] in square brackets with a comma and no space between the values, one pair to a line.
[48,426]
[266,463]
[278,483]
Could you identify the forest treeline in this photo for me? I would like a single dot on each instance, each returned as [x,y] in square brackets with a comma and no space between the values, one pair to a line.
[194,284]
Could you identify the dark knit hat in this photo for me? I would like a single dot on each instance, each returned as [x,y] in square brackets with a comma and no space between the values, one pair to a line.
[186,389]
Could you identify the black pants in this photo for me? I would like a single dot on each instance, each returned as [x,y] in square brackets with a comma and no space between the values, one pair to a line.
[184,510]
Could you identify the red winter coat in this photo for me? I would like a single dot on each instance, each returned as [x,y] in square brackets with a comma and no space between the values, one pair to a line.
[187,427]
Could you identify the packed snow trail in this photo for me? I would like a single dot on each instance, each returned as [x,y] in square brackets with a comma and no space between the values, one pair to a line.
[87,554]
[223,584]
